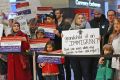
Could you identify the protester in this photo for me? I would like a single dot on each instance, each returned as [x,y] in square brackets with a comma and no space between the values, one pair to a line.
[111,15]
[105,62]
[50,71]
[3,67]
[18,63]
[99,21]
[115,41]
[40,34]
[62,24]
[3,57]
[80,66]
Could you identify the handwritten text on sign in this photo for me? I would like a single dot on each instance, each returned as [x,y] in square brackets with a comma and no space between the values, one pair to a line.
[81,42]
[23,24]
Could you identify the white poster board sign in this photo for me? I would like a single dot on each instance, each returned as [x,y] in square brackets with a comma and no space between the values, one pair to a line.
[1,30]
[23,24]
[81,42]
[5,6]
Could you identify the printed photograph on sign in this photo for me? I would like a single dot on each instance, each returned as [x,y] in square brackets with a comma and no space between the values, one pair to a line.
[38,45]
[51,59]
[49,30]
[10,44]
[81,42]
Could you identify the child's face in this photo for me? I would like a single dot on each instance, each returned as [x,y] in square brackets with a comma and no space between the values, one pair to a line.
[106,52]
[40,35]
[49,20]
[49,48]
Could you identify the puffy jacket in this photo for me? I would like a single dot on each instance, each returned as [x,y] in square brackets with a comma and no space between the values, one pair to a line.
[50,69]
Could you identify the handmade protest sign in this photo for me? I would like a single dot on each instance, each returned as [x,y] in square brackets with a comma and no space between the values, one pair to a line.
[38,45]
[10,44]
[81,42]
[50,59]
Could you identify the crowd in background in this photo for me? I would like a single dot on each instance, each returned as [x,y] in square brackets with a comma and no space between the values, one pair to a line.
[19,66]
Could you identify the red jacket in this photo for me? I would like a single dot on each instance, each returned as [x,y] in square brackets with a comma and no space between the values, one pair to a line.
[50,69]
[18,64]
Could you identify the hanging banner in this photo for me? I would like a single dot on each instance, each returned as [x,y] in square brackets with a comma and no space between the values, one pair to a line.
[10,44]
[81,42]
[38,45]
[49,30]
[50,59]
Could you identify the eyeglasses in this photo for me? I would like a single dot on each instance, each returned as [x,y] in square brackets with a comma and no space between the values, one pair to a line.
[110,15]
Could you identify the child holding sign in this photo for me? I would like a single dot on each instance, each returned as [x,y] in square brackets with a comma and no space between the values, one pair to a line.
[50,71]
[40,34]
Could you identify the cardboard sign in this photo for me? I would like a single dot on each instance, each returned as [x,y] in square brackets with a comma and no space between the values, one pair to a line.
[10,44]
[50,59]
[49,30]
[38,45]
[81,42]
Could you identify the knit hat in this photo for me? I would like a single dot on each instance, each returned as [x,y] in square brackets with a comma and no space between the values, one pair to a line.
[99,10]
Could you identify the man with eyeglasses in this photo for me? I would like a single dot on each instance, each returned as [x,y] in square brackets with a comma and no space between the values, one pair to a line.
[111,15]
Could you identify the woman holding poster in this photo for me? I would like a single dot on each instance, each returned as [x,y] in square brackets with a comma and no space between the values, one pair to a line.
[80,66]
[18,64]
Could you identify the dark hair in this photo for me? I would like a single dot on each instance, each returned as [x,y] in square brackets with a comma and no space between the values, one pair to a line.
[50,15]
[17,23]
[61,11]
[50,43]
[39,31]
[12,20]
[113,11]
[108,47]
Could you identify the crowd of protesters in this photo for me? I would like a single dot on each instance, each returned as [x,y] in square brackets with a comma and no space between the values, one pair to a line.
[19,66]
